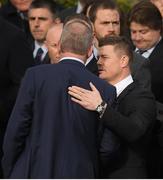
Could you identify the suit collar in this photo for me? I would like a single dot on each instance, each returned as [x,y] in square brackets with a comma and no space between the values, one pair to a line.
[157,48]
[72,58]
[89,59]
[129,88]
[71,61]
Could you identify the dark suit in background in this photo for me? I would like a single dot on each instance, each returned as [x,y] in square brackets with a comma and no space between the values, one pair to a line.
[48,135]
[133,123]
[140,71]
[11,14]
[156,69]
[92,66]
[15,58]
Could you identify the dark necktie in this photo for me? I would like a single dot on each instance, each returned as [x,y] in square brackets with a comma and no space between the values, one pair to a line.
[139,51]
[39,56]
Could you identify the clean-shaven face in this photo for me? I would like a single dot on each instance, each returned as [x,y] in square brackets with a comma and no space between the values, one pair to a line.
[109,64]
[40,20]
[52,43]
[143,37]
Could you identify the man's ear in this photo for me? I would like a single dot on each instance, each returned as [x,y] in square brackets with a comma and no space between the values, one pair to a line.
[90,51]
[124,61]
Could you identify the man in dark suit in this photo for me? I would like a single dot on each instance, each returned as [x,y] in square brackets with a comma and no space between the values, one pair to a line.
[49,136]
[42,15]
[15,58]
[133,120]
[150,42]
[145,22]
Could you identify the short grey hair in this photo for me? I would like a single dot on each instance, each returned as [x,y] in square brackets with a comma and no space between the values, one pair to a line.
[77,37]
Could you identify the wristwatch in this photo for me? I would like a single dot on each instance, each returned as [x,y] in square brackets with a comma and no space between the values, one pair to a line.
[101,108]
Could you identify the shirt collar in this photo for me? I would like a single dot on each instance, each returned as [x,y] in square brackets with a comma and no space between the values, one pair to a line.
[79,8]
[37,46]
[72,58]
[120,86]
[95,52]
[89,59]
[148,52]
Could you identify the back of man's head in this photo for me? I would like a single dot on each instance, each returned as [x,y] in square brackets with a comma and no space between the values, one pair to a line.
[76,17]
[77,37]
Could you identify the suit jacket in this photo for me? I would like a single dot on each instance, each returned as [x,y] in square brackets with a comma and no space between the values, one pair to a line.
[133,123]
[156,67]
[10,13]
[140,71]
[92,66]
[48,135]
[15,58]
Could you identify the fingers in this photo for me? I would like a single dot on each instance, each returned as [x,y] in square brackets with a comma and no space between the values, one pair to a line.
[74,94]
[92,87]
[78,90]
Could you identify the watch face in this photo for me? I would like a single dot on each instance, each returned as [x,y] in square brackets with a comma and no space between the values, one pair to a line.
[99,108]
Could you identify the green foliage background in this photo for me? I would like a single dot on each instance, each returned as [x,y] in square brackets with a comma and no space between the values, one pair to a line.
[124,4]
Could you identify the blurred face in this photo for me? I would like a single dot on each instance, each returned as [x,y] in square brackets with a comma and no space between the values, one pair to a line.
[107,23]
[159,5]
[143,37]
[109,64]
[40,20]
[52,43]
[21,5]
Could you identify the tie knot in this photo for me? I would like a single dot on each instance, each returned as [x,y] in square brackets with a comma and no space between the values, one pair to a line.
[140,51]
[39,55]
[40,51]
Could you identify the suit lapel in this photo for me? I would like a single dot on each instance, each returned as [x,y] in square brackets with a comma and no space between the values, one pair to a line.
[92,66]
[129,88]
[156,51]
[46,59]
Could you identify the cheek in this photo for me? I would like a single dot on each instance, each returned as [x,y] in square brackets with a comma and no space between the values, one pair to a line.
[132,36]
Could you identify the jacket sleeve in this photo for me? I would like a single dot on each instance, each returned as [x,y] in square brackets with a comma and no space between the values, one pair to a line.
[19,124]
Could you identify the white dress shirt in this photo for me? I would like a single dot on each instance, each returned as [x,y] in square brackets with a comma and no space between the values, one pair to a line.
[79,8]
